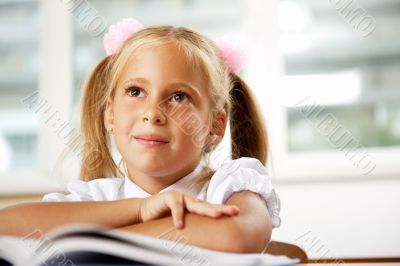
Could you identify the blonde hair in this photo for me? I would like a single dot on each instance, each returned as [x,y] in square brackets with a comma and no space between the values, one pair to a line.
[227,92]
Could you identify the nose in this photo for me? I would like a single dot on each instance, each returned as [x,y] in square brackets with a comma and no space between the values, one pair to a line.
[154,116]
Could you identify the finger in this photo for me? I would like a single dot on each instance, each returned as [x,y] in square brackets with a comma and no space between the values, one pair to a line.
[177,210]
[225,209]
[196,206]
[230,209]
[206,209]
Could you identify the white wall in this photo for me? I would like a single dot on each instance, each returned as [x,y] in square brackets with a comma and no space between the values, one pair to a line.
[343,219]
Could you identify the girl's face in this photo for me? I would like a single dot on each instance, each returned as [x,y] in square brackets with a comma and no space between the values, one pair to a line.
[159,97]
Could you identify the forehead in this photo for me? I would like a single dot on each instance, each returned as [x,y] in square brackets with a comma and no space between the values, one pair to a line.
[163,63]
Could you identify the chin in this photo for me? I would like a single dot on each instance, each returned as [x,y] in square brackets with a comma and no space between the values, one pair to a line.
[151,166]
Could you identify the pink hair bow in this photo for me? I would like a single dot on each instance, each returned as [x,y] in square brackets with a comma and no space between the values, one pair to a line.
[118,33]
[231,47]
[232,51]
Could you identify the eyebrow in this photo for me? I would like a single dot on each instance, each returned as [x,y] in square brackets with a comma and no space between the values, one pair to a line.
[184,84]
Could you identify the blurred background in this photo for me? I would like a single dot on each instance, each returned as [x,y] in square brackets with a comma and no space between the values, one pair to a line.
[326,73]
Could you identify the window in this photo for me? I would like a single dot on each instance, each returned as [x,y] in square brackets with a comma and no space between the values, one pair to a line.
[18,78]
[346,65]
[33,94]
[339,90]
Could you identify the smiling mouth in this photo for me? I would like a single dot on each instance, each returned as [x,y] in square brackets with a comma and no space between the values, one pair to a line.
[151,143]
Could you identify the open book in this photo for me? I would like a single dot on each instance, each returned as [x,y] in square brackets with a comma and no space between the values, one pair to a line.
[80,244]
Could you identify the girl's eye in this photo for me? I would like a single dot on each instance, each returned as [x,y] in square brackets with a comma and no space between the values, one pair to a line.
[133,91]
[179,96]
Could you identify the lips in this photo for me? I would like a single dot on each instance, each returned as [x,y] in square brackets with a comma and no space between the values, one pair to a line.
[151,141]
[151,137]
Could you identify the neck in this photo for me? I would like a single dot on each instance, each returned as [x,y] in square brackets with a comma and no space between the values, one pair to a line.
[154,184]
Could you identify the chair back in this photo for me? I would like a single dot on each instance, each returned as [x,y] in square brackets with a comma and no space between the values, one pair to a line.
[290,250]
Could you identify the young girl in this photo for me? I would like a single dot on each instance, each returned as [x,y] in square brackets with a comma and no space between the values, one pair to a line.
[162,96]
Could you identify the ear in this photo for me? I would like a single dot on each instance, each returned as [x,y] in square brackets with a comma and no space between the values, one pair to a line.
[109,115]
[218,128]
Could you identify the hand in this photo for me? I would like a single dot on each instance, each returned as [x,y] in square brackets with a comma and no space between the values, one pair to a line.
[175,202]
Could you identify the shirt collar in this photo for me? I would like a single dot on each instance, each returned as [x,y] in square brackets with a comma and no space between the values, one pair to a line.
[131,189]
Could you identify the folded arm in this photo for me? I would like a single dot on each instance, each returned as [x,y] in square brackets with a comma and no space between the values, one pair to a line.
[36,219]
[247,232]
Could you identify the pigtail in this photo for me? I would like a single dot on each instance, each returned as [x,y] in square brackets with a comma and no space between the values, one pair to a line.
[97,161]
[248,131]
[247,127]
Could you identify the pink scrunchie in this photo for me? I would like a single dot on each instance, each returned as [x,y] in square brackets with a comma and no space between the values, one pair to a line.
[232,52]
[118,33]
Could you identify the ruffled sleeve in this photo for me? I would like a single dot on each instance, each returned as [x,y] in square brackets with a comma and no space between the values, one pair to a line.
[103,189]
[245,173]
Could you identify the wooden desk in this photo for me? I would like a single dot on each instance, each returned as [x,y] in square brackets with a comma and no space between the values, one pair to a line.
[310,264]
[338,261]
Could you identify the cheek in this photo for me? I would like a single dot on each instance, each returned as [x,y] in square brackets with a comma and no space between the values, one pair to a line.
[124,116]
[190,125]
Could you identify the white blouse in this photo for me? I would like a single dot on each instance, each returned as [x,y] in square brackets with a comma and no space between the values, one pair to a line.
[245,173]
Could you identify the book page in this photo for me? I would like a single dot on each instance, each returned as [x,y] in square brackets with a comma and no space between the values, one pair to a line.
[17,250]
[137,247]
